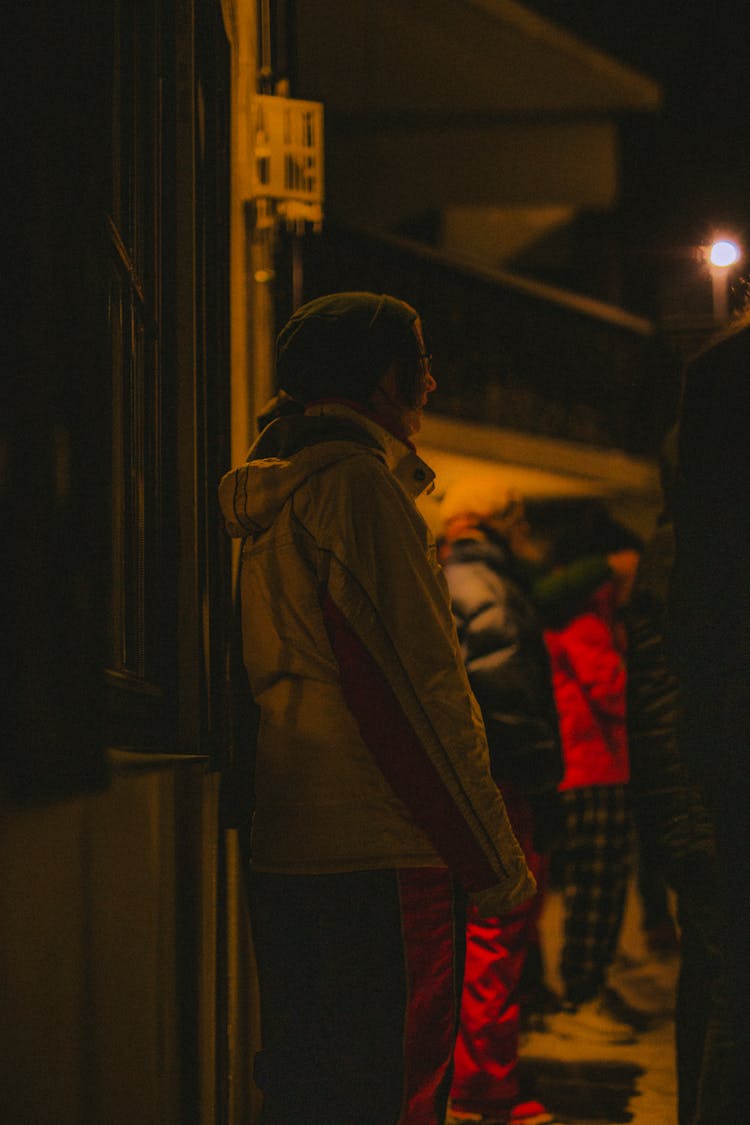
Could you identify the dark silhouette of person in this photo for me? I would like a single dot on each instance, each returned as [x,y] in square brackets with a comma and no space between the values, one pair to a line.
[709,636]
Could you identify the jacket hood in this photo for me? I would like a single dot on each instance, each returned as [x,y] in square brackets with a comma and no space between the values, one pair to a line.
[292,449]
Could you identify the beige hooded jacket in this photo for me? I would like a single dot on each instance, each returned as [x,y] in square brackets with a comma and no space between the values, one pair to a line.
[371,750]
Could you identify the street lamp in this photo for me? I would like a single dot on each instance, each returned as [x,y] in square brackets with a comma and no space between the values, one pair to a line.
[722,254]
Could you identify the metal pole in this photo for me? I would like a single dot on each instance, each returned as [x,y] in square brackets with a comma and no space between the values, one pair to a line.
[720,288]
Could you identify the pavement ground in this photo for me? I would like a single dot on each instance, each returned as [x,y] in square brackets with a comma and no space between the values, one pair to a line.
[603,1084]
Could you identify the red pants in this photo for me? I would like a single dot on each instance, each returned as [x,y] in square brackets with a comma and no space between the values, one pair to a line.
[486,1055]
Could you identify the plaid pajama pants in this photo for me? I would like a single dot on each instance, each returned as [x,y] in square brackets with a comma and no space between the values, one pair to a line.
[595,863]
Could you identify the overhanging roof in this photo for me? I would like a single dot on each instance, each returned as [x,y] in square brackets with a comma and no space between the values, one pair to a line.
[425,59]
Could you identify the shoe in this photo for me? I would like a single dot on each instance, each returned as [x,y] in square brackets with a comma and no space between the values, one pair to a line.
[540,1000]
[525,1113]
[462,1117]
[530,1113]
[536,1006]
[591,1023]
[613,1004]
[533,1023]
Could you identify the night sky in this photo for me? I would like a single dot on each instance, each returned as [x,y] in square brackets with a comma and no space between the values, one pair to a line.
[687,170]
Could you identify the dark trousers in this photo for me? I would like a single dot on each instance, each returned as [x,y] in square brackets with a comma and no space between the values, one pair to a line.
[715,720]
[703,1035]
[359,984]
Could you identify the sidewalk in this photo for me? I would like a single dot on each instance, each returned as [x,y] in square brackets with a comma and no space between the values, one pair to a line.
[607,1085]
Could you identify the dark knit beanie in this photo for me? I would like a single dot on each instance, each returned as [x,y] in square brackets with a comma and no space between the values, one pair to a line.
[339,346]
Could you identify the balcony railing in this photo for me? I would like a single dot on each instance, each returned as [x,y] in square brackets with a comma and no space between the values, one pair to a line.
[512,352]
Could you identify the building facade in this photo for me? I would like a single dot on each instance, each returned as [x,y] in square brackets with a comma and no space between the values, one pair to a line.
[147,277]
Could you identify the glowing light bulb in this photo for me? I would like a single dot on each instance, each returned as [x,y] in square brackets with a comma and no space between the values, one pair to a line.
[724,253]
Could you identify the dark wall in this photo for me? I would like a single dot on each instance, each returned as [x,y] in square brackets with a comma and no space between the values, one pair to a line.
[114,569]
[55,439]
[115,577]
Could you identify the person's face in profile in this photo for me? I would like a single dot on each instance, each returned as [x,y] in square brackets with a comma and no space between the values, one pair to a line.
[399,415]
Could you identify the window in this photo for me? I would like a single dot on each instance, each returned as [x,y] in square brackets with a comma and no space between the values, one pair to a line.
[140,635]
[169,336]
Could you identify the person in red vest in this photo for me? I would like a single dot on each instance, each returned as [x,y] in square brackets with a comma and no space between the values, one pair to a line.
[587,655]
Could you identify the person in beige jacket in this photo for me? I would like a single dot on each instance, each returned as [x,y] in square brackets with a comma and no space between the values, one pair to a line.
[376,813]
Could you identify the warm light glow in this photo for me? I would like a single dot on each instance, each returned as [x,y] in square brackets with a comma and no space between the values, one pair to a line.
[724,253]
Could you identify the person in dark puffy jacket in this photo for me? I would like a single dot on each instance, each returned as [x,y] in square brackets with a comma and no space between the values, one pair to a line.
[670,803]
[508,668]
[709,635]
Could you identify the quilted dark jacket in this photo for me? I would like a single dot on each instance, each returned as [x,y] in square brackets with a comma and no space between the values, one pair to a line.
[507,663]
[665,797]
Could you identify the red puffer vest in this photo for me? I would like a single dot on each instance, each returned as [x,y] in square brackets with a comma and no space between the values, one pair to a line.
[588,675]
